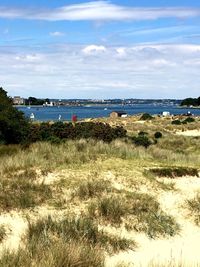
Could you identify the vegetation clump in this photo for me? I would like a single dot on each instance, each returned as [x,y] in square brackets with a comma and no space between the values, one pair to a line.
[111,208]
[158,135]
[146,116]
[194,206]
[148,216]
[176,122]
[2,233]
[142,140]
[92,188]
[141,212]
[174,172]
[64,243]
[82,130]
[20,190]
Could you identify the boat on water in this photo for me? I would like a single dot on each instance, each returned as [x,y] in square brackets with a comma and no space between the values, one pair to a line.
[32,116]
[105,109]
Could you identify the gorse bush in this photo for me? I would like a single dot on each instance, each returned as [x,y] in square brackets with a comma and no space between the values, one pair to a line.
[62,131]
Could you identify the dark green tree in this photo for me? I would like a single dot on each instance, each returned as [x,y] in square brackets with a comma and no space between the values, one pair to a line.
[14,126]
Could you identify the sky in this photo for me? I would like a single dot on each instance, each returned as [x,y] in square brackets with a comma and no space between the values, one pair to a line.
[100,49]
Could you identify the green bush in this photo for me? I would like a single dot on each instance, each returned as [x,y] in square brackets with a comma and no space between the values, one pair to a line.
[189,120]
[176,122]
[145,117]
[142,140]
[158,135]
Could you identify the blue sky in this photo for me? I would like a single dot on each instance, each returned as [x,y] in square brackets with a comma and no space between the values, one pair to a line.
[100,49]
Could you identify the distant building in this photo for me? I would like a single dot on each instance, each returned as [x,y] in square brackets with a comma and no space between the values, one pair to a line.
[118,114]
[17,100]
[46,104]
[166,113]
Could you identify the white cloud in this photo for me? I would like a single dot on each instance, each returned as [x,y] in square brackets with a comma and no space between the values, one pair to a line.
[99,11]
[56,34]
[147,71]
[93,49]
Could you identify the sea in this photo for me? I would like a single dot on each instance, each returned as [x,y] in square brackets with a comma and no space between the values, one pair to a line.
[65,113]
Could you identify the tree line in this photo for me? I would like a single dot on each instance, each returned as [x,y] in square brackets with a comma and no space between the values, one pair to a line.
[191,102]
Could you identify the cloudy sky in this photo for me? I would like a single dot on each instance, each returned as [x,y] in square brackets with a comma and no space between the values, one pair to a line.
[100,49]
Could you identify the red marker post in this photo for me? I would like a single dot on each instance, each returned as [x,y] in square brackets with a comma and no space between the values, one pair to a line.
[74,119]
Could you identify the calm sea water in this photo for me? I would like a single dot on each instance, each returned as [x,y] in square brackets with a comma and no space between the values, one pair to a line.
[53,113]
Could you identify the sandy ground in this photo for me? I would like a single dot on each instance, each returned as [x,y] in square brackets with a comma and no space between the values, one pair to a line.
[189,133]
[182,249]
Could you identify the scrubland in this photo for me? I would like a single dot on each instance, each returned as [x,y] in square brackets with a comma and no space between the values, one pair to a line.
[87,203]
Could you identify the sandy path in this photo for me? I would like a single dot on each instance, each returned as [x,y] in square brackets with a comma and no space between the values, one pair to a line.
[182,248]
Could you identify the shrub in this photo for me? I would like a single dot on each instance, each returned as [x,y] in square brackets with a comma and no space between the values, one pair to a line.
[189,120]
[158,135]
[142,140]
[146,116]
[82,130]
[176,122]
[141,133]
[175,172]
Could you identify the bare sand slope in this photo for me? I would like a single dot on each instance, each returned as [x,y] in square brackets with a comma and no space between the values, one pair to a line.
[182,249]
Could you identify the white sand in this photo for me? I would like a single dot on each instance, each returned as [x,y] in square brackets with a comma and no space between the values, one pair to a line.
[189,133]
[182,248]
[15,225]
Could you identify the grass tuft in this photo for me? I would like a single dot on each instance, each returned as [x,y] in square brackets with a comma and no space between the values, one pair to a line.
[2,233]
[110,208]
[92,188]
[194,207]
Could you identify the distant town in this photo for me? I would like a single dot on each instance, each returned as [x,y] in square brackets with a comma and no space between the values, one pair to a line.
[33,101]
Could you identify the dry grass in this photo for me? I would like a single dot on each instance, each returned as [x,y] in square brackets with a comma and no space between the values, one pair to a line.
[2,233]
[194,207]
[109,185]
